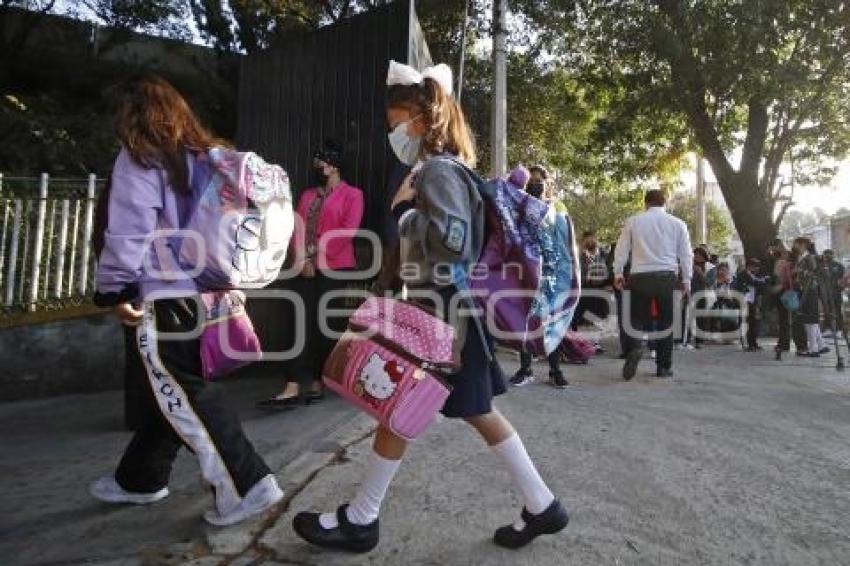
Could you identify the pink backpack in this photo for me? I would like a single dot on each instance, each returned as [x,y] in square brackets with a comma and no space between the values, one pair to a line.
[387,363]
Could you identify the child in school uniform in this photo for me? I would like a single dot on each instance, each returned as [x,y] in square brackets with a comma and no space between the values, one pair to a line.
[441,222]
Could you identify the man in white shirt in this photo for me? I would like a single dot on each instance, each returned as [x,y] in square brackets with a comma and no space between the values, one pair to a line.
[661,261]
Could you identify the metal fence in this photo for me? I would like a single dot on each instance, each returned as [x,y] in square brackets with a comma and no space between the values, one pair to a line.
[46,260]
[331,84]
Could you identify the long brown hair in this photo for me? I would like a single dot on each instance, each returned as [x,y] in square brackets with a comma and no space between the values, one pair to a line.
[448,130]
[156,126]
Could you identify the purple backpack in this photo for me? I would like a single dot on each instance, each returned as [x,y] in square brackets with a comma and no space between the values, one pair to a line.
[240,220]
[530,284]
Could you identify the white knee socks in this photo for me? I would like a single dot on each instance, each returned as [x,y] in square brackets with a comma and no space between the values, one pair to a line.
[524,475]
[364,508]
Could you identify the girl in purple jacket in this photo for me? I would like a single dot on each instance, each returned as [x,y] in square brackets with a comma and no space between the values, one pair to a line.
[150,194]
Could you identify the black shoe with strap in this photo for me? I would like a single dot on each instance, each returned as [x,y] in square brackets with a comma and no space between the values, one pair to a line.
[347,536]
[553,520]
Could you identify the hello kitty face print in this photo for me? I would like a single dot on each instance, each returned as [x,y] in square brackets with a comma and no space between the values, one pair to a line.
[380,377]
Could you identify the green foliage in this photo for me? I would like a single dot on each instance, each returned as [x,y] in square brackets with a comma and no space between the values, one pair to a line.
[40,133]
[603,208]
[770,77]
[718,221]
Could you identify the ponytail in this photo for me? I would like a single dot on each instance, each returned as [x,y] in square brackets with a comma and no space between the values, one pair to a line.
[448,130]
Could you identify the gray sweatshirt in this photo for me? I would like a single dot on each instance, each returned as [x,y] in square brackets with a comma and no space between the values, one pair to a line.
[445,229]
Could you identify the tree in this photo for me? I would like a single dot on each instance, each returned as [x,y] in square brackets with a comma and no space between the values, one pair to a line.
[602,207]
[767,77]
[718,221]
[253,25]
[164,18]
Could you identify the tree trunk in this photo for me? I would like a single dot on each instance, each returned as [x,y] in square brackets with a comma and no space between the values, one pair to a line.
[751,214]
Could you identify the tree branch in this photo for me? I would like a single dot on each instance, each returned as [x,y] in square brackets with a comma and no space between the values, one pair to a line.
[669,43]
[757,124]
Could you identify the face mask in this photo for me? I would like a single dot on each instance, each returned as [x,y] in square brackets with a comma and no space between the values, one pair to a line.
[406,148]
[534,189]
[319,177]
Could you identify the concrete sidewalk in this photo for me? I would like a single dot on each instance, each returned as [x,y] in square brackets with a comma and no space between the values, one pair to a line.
[737,460]
[52,448]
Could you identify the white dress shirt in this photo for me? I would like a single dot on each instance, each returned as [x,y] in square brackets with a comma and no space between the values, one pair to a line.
[656,241]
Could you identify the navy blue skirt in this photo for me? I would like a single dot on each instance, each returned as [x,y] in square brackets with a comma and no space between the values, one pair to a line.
[478,380]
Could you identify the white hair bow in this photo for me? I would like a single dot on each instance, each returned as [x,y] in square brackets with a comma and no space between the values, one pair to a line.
[401,74]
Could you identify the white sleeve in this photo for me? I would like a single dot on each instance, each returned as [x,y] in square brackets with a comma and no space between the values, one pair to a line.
[685,253]
[624,248]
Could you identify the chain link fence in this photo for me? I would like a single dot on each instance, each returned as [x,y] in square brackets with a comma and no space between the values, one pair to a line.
[46,259]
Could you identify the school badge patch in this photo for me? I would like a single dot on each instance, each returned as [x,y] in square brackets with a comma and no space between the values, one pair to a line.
[455,238]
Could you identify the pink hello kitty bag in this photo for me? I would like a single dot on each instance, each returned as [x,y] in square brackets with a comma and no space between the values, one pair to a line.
[387,363]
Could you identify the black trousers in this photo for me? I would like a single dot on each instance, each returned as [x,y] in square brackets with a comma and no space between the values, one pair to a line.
[642,289]
[784,319]
[181,408]
[589,304]
[798,333]
[136,388]
[306,368]
[753,326]
[525,360]
[624,342]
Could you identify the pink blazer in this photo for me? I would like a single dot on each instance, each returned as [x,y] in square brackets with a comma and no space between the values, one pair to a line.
[342,210]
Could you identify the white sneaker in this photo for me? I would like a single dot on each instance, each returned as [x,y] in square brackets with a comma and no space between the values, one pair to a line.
[264,495]
[107,489]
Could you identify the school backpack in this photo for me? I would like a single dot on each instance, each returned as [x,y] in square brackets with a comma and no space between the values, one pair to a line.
[531,266]
[239,222]
[388,363]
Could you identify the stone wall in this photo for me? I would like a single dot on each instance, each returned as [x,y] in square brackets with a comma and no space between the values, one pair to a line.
[74,355]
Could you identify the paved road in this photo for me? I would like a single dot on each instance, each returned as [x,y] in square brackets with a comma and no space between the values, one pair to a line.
[52,448]
[737,460]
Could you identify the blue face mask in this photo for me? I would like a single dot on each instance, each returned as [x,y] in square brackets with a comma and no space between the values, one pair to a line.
[406,148]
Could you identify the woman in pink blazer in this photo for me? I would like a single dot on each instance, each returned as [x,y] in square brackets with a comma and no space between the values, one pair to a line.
[328,215]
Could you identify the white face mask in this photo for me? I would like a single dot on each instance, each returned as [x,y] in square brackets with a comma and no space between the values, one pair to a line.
[406,148]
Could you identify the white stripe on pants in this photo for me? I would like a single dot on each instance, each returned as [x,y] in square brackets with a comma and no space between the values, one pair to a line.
[176,408]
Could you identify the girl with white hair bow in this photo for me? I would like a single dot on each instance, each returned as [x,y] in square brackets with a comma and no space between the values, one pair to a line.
[441,223]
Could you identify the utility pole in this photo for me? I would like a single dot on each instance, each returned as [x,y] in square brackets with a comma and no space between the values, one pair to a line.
[462,52]
[701,228]
[499,129]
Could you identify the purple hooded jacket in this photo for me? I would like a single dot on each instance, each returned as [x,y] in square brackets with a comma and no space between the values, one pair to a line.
[141,202]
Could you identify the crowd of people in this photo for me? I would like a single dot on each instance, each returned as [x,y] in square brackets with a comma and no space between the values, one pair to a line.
[436,217]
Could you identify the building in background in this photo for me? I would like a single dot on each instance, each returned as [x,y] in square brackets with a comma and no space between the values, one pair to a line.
[833,233]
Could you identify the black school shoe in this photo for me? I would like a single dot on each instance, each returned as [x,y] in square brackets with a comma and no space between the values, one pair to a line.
[553,520]
[347,536]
